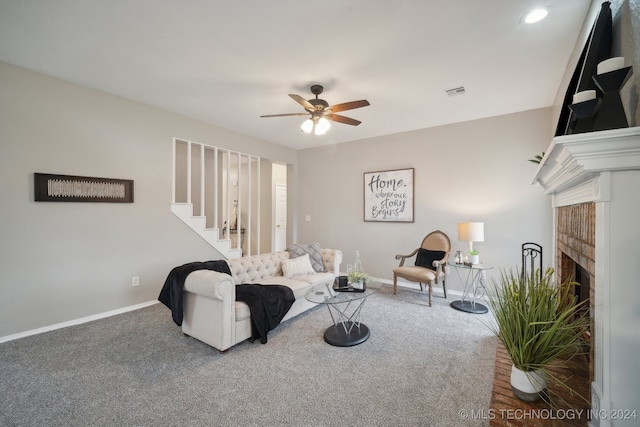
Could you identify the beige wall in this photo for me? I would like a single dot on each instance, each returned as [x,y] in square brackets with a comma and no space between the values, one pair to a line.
[64,261]
[474,170]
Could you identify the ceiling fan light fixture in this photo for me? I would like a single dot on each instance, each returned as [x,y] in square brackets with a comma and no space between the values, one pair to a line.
[322,126]
[321,113]
[307,126]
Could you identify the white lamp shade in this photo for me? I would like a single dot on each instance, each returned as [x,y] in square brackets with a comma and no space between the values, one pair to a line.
[471,231]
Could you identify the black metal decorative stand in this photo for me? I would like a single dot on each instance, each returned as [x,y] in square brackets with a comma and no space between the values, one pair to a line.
[531,257]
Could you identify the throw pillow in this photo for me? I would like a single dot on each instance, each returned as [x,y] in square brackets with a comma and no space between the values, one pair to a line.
[300,266]
[426,257]
[315,254]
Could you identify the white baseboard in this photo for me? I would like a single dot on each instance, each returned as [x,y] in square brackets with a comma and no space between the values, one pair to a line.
[77,321]
[412,285]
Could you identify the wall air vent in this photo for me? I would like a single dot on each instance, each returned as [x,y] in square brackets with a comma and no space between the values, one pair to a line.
[456,91]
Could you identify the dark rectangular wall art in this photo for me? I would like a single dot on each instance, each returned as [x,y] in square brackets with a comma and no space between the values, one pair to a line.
[70,188]
[388,196]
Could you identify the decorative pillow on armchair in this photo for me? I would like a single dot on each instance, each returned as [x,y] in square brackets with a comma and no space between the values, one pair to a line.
[315,254]
[300,266]
[426,257]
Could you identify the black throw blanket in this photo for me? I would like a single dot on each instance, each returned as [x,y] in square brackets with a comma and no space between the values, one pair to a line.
[268,305]
[171,293]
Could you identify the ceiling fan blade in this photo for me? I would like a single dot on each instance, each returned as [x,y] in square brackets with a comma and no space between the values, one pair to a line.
[300,100]
[348,106]
[342,119]
[288,114]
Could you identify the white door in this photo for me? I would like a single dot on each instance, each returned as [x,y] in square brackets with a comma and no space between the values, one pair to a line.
[280,241]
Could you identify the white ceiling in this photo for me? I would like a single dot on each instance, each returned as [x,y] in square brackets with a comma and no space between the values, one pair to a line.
[229,62]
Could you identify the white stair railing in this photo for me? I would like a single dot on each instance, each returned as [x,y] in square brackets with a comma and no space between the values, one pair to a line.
[223,188]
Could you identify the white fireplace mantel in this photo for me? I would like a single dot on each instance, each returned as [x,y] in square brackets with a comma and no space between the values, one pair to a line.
[604,167]
[573,163]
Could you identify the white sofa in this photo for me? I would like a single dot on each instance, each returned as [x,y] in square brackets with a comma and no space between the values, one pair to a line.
[211,312]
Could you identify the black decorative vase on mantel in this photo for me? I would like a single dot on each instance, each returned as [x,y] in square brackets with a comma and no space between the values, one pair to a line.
[585,113]
[611,114]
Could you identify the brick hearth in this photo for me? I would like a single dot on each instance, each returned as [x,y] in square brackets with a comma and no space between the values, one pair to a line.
[507,410]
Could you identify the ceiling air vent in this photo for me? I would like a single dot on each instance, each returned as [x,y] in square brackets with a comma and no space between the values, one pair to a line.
[456,91]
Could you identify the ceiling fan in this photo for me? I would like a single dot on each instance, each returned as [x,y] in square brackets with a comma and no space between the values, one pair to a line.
[321,112]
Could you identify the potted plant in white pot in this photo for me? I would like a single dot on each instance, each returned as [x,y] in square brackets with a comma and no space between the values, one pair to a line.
[536,322]
[474,256]
[357,278]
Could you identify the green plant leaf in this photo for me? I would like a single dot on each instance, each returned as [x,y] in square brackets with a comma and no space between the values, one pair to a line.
[537,158]
[535,318]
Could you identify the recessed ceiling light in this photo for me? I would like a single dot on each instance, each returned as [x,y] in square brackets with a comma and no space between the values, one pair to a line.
[535,16]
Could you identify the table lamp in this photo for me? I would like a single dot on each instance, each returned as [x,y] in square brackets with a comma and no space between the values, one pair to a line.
[471,232]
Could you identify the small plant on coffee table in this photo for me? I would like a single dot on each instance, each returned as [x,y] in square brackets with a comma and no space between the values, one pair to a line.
[357,277]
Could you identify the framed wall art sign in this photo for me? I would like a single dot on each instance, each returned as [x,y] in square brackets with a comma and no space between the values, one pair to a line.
[71,188]
[388,195]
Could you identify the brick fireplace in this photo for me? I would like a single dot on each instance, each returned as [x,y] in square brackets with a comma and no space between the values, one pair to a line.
[576,257]
[594,183]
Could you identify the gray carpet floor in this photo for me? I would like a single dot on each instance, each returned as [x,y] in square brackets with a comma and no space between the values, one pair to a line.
[421,366]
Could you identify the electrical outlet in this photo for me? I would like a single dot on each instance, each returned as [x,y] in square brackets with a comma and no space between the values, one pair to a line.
[135,281]
[307,218]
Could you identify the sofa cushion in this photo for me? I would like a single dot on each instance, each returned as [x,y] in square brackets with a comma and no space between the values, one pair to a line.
[299,266]
[299,287]
[300,284]
[313,249]
[314,279]
[242,311]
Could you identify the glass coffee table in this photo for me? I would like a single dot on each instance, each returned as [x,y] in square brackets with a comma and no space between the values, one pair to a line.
[345,309]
